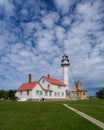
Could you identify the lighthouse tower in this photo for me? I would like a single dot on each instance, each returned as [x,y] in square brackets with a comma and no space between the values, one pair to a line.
[65,64]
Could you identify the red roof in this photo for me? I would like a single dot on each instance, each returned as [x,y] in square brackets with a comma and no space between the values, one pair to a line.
[27,86]
[54,81]
[30,86]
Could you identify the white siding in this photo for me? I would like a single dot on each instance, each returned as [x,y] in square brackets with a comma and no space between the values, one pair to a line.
[24,95]
[34,92]
[57,92]
[45,84]
[37,93]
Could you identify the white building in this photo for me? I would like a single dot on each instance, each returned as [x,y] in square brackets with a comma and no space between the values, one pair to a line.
[46,88]
[65,64]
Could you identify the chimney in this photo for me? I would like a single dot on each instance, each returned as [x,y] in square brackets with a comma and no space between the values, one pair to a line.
[29,78]
[48,75]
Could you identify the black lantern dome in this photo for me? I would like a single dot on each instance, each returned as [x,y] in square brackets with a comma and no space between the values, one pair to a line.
[65,61]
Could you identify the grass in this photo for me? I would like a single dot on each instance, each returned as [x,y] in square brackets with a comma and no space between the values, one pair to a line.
[41,116]
[94,108]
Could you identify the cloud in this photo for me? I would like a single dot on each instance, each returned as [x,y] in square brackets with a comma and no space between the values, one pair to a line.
[6,8]
[83,44]
[60,33]
[66,21]
[34,36]
[64,6]
[49,19]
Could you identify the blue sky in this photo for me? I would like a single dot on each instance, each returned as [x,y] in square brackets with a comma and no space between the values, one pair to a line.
[34,35]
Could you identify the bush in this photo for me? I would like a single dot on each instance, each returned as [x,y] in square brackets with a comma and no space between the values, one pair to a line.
[7,94]
[100,93]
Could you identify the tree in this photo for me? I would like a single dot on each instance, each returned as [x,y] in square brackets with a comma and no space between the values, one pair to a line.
[11,94]
[2,94]
[7,94]
[100,93]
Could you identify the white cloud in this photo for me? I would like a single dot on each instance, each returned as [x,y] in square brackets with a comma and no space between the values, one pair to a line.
[36,46]
[7,7]
[49,19]
[66,21]
[83,43]
[64,5]
[48,22]
[90,10]
[60,33]
[44,39]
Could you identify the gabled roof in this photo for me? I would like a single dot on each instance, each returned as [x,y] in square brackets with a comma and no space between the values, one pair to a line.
[31,85]
[54,81]
[27,86]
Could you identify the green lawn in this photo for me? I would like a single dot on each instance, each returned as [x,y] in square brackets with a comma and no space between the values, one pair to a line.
[94,108]
[40,116]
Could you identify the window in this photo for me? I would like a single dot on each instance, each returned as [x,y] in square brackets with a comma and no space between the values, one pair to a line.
[62,93]
[84,94]
[59,87]
[55,94]
[43,81]
[40,92]
[37,92]
[77,94]
[58,93]
[27,92]
[48,86]
[76,85]
[50,93]
[46,93]
[21,92]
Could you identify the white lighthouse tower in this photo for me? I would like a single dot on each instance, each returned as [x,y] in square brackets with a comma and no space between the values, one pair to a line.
[65,64]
